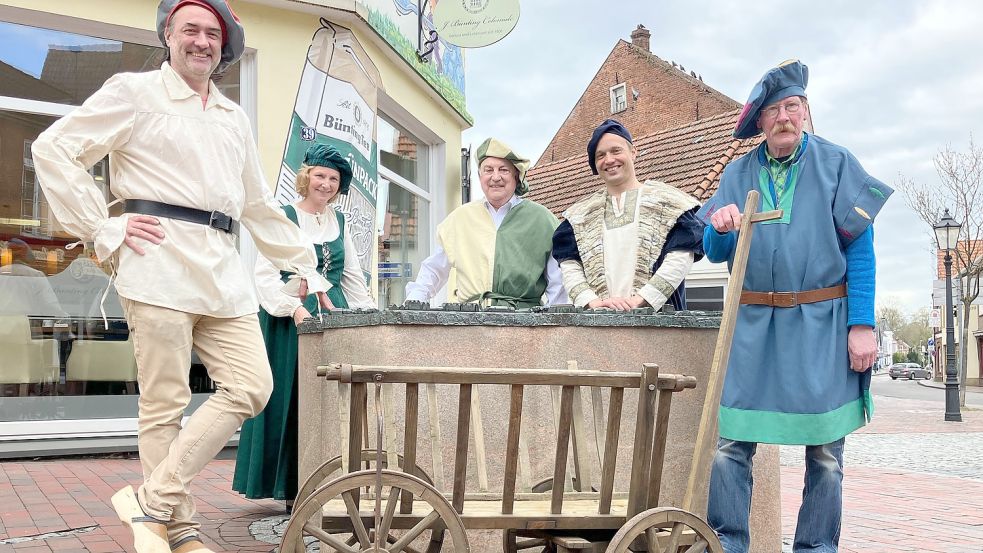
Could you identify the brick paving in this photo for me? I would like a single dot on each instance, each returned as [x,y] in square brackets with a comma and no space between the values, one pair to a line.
[912,483]
[40,499]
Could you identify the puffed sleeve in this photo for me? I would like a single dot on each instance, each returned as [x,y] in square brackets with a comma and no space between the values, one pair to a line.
[65,152]
[269,289]
[352,282]
[275,236]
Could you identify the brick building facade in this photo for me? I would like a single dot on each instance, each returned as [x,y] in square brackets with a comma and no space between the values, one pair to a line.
[644,92]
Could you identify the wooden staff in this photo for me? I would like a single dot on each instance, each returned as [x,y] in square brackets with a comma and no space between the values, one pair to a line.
[706,436]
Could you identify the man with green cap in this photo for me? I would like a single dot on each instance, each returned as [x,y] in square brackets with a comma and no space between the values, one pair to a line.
[185,164]
[499,246]
[803,345]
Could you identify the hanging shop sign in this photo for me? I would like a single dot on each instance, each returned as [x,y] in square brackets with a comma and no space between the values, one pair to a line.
[475,23]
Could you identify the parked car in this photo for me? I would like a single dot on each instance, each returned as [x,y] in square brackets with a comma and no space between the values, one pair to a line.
[908,371]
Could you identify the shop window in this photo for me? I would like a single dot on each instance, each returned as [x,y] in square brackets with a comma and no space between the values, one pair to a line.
[403,154]
[55,344]
[404,227]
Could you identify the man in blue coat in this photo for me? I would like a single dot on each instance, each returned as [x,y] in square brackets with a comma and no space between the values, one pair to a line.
[804,343]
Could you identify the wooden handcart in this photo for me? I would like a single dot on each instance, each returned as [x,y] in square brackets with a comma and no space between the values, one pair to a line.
[375,499]
[411,514]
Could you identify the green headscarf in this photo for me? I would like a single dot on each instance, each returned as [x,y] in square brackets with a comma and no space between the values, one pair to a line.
[322,155]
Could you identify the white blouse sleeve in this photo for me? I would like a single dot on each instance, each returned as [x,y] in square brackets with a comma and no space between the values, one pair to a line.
[664,282]
[352,282]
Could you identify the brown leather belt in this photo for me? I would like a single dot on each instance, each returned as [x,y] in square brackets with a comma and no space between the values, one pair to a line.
[791,299]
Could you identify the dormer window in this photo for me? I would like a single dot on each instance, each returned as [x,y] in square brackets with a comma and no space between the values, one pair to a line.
[619,98]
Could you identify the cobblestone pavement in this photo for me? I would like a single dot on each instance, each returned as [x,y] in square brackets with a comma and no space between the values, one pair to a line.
[912,483]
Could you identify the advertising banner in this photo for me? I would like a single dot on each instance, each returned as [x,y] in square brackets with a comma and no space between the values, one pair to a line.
[336,105]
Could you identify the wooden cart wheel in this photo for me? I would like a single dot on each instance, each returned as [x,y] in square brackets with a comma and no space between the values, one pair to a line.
[331,469]
[305,523]
[528,540]
[667,530]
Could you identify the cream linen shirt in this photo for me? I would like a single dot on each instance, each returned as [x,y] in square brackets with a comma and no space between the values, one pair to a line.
[164,146]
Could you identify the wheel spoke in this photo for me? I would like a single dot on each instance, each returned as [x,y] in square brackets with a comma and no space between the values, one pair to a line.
[652,537]
[677,530]
[412,533]
[391,539]
[698,547]
[387,518]
[363,535]
[316,531]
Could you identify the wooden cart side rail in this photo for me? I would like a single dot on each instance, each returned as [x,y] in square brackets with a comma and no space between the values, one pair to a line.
[650,426]
[504,376]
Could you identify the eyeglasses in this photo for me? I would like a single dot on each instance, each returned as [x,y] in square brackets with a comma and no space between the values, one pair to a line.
[489,170]
[771,112]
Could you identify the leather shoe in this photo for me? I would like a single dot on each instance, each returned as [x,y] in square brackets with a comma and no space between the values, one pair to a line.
[149,533]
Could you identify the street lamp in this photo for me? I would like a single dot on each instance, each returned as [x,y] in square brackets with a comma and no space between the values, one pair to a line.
[946,236]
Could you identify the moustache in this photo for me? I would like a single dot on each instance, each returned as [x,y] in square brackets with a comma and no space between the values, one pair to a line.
[783,127]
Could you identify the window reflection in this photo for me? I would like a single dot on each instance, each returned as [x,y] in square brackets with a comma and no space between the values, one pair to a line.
[66,68]
[402,153]
[404,242]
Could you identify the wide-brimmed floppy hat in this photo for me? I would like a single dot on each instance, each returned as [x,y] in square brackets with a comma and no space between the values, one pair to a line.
[788,79]
[233,36]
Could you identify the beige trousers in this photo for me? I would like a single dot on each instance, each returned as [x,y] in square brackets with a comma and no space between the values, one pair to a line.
[234,354]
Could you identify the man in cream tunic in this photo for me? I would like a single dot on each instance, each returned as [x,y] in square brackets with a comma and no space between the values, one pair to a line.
[499,246]
[631,244]
[183,158]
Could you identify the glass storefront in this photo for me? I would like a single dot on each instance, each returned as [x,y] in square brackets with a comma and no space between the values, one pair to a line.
[60,361]
[404,209]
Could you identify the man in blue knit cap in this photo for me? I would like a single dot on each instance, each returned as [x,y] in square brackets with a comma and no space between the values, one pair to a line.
[629,244]
[799,370]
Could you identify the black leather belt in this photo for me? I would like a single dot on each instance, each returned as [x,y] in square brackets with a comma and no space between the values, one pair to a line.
[214,219]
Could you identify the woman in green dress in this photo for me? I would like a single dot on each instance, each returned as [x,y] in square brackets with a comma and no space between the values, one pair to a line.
[266,463]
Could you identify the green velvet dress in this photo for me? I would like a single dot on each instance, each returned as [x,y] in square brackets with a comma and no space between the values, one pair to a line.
[266,462]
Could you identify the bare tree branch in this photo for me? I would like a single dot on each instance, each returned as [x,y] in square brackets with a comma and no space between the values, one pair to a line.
[960,189]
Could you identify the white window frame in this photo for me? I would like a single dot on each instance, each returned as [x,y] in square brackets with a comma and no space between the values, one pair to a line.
[436,170]
[618,107]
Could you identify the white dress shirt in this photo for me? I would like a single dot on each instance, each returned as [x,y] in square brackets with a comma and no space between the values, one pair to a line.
[316,228]
[436,269]
[165,146]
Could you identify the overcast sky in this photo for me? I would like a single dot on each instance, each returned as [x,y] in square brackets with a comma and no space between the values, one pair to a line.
[893,81]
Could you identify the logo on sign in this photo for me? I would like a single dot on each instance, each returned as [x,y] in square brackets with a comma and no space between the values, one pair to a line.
[474,6]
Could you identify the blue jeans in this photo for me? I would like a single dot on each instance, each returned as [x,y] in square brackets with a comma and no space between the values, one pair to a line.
[818,526]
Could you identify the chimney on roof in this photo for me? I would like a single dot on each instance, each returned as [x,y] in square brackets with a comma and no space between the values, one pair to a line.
[640,38]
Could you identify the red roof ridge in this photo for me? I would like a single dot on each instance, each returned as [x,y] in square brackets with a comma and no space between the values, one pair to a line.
[650,56]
